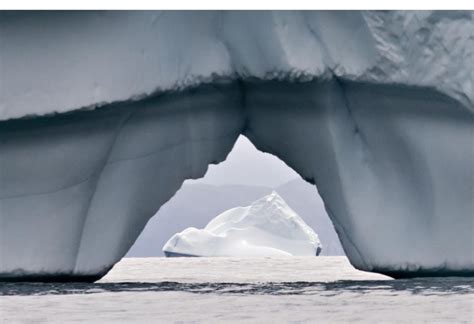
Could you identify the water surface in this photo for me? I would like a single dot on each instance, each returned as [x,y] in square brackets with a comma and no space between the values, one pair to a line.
[260,290]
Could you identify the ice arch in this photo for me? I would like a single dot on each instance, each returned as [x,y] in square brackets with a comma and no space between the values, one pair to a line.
[78,188]
[376,108]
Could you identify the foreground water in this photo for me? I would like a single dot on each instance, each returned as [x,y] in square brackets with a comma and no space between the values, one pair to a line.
[260,290]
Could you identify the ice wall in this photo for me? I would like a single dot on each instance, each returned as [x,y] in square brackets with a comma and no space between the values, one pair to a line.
[77,189]
[376,108]
[394,166]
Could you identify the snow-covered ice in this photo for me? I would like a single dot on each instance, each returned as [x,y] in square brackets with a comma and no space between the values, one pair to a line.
[268,227]
[105,114]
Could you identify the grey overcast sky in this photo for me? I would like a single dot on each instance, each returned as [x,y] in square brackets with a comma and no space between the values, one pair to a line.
[248,166]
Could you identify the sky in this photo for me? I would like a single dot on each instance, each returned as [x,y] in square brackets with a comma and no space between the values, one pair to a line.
[248,166]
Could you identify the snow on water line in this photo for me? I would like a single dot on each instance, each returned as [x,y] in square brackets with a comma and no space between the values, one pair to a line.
[267,227]
[393,166]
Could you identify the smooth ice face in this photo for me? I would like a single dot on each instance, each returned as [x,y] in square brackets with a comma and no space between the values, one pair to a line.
[376,108]
[267,227]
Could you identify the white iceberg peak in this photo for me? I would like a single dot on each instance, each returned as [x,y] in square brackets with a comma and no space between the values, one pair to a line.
[267,227]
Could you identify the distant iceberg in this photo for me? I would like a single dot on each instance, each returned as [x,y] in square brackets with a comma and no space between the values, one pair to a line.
[268,227]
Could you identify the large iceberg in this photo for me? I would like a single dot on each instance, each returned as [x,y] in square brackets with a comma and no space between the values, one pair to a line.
[103,115]
[268,227]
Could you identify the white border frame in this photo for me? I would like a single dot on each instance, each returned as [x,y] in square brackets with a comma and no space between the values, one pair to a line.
[240,5]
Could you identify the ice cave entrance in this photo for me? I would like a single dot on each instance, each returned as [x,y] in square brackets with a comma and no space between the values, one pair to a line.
[245,176]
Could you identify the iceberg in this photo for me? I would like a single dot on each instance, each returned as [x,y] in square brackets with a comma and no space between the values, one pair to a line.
[103,115]
[268,227]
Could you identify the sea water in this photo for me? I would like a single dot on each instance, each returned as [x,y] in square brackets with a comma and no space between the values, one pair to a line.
[256,290]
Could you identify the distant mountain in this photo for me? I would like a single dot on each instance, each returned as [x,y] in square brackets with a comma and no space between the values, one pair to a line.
[196,204]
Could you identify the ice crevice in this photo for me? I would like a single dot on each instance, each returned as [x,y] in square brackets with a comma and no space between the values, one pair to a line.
[364,149]
[101,169]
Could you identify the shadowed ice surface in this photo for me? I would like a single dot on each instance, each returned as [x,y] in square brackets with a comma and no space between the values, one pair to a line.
[279,289]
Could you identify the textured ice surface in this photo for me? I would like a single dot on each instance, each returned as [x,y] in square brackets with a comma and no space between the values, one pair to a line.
[268,227]
[56,62]
[376,108]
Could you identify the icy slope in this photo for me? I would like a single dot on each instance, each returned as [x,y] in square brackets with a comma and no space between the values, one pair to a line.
[375,108]
[268,227]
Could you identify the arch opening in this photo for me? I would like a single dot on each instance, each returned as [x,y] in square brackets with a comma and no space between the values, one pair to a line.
[246,175]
